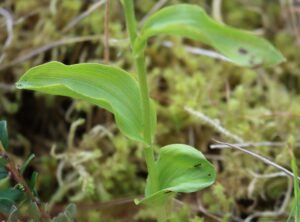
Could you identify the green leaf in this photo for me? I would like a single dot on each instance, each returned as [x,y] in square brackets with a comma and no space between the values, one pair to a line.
[12,194]
[70,211]
[6,207]
[26,163]
[180,168]
[3,134]
[60,218]
[190,21]
[13,215]
[32,182]
[34,211]
[108,87]
[296,190]
[3,171]
[68,215]
[8,199]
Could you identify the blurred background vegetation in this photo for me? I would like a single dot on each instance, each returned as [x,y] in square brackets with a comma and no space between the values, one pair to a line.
[80,155]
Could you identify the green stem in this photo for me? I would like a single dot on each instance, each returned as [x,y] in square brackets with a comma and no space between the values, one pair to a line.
[141,70]
[130,20]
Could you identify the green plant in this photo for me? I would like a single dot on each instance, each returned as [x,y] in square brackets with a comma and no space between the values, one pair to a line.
[13,194]
[178,168]
[295,212]
[23,190]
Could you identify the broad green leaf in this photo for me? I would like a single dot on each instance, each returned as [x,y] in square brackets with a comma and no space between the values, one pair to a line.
[190,21]
[108,87]
[8,199]
[3,134]
[11,194]
[180,168]
[6,206]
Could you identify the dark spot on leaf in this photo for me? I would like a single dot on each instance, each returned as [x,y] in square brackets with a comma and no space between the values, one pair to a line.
[198,165]
[209,175]
[168,191]
[243,51]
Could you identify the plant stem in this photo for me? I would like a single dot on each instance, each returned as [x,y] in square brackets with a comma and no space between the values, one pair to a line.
[141,70]
[130,20]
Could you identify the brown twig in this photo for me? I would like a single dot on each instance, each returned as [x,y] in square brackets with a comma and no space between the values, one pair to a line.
[106,32]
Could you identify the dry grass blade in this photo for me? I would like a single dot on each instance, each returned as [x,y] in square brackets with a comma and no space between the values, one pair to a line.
[157,6]
[77,19]
[47,47]
[9,28]
[264,159]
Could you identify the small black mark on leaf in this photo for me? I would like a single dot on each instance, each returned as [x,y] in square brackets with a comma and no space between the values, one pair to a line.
[243,51]
[198,165]
[209,174]
[168,191]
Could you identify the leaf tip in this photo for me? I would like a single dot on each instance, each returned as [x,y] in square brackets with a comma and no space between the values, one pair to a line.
[20,85]
[278,58]
[136,201]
